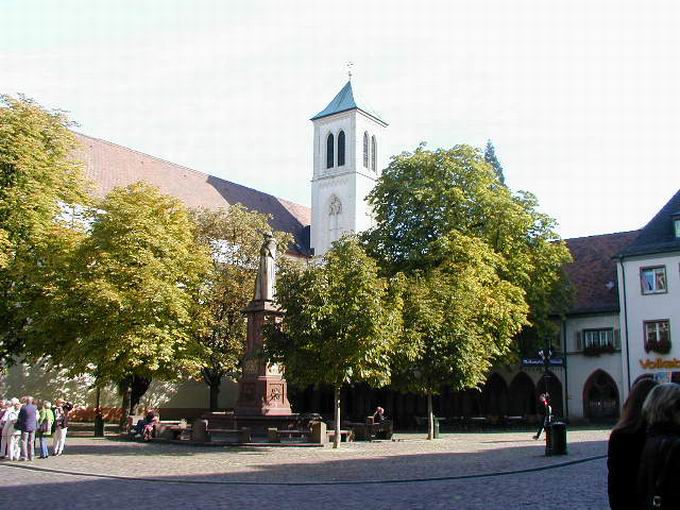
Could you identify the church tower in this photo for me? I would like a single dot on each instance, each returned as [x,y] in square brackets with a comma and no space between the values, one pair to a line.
[347,162]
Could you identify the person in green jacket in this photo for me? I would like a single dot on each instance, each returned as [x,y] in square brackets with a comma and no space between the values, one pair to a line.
[45,421]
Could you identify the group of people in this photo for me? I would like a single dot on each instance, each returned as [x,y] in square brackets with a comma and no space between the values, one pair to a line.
[23,421]
[644,449]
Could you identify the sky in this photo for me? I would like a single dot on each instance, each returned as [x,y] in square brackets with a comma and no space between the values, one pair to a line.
[580,98]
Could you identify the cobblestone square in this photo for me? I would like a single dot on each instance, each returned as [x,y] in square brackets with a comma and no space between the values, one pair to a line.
[460,471]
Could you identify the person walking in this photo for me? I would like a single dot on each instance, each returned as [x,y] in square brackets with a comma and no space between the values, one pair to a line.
[61,412]
[45,421]
[10,435]
[27,423]
[658,484]
[625,447]
[545,413]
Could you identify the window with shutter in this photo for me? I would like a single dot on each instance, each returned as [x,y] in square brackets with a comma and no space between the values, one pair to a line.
[579,341]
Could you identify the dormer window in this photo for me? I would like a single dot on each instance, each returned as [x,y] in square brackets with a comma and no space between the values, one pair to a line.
[676,225]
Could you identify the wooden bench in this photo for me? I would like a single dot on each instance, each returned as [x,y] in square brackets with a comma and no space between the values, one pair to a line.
[346,436]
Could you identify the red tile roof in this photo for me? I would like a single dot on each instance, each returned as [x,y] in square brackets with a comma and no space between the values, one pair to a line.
[593,271]
[110,165]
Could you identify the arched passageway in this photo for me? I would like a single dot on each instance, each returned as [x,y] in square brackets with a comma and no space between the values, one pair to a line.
[600,397]
[521,396]
[495,396]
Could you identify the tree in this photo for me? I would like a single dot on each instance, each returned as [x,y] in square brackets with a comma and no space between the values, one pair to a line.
[444,219]
[125,310]
[458,318]
[234,237]
[341,322]
[424,196]
[491,159]
[39,180]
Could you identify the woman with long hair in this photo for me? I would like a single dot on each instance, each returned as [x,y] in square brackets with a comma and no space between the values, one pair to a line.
[659,471]
[625,447]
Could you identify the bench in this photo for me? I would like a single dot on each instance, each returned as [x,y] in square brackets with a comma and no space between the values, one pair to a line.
[316,434]
[369,430]
[241,435]
[346,436]
[170,429]
[201,432]
[275,435]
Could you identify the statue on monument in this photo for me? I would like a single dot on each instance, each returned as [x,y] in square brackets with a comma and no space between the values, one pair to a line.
[266,275]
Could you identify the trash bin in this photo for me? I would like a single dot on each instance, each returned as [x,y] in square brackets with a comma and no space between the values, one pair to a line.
[436,429]
[556,438]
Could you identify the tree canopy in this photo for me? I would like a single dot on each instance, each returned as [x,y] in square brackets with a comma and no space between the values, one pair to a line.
[424,196]
[341,321]
[490,158]
[39,180]
[127,307]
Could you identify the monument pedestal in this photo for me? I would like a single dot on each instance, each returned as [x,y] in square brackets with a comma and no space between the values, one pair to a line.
[262,390]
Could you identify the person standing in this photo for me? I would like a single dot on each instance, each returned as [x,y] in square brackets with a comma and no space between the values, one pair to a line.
[545,413]
[625,447]
[658,484]
[10,435]
[45,421]
[61,425]
[27,423]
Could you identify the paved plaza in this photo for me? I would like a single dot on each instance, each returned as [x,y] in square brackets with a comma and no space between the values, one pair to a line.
[460,471]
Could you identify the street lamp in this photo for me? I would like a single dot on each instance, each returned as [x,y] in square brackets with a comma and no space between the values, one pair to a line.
[546,354]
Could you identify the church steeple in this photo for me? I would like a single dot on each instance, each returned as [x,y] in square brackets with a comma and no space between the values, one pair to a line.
[345,101]
[346,164]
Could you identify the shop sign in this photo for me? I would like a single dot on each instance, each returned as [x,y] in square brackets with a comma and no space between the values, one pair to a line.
[659,363]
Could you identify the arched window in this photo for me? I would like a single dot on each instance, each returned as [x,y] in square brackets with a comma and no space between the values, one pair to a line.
[365,149]
[341,148]
[374,152]
[329,151]
[334,223]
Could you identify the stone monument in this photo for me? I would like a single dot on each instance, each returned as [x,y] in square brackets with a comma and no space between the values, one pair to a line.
[262,389]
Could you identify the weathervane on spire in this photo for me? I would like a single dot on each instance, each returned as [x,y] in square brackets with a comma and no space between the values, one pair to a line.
[349,65]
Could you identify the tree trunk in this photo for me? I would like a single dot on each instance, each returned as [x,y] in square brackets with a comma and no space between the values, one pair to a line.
[214,393]
[138,388]
[430,417]
[125,391]
[336,438]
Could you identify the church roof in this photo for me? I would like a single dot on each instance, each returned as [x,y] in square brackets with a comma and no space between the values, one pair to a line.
[658,236]
[345,101]
[110,165]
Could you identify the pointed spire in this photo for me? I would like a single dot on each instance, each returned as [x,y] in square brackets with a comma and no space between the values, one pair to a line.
[345,101]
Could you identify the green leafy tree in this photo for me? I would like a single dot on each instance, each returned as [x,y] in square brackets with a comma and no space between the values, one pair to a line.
[424,196]
[490,158]
[443,218]
[341,322]
[40,181]
[234,238]
[458,318]
[126,309]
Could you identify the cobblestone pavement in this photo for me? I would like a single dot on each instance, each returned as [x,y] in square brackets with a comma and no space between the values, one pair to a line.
[207,477]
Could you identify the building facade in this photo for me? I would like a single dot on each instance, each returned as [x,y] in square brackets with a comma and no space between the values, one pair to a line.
[649,284]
